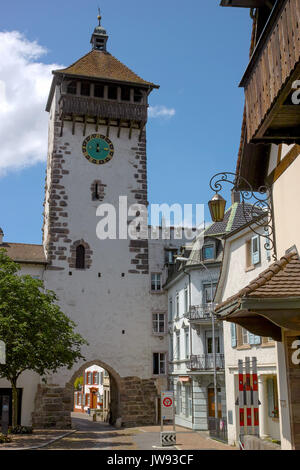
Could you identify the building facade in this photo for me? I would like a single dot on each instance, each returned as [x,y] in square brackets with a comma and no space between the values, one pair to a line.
[245,257]
[192,328]
[110,285]
[269,155]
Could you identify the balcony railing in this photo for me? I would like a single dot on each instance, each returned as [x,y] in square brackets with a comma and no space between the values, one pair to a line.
[206,362]
[272,116]
[93,107]
[201,313]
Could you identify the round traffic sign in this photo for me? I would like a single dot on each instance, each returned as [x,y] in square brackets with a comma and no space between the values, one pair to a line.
[167,402]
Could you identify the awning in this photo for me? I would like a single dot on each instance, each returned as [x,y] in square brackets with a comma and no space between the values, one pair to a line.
[184,378]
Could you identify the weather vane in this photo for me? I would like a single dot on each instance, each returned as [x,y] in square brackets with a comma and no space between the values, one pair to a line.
[99,16]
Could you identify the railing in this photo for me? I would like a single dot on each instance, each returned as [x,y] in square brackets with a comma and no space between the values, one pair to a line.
[272,64]
[217,428]
[199,312]
[206,362]
[79,105]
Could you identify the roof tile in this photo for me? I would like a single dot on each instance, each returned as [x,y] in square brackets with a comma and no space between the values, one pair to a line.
[102,65]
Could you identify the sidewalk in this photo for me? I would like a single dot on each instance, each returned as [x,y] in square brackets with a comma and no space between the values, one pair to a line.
[37,438]
[148,438]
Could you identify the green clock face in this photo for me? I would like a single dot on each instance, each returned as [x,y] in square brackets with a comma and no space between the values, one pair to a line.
[97,148]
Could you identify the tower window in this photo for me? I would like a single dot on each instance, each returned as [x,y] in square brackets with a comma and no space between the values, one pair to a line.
[85,89]
[125,93]
[137,95]
[71,88]
[80,257]
[112,92]
[98,90]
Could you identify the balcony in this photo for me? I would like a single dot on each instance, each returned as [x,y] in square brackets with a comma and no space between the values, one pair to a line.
[199,314]
[206,362]
[271,110]
[99,108]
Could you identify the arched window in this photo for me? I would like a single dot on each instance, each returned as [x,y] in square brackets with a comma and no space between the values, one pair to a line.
[80,257]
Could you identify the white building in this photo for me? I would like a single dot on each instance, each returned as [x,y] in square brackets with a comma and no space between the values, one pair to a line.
[191,288]
[245,257]
[111,288]
[91,394]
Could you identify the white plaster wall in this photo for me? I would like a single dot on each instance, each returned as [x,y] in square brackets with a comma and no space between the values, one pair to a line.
[235,277]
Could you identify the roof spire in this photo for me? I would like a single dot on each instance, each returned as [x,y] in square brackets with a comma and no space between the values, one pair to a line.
[99,37]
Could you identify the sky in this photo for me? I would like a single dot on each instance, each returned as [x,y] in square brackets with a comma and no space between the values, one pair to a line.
[195,50]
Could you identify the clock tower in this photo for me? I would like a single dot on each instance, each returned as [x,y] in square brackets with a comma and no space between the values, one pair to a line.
[97,153]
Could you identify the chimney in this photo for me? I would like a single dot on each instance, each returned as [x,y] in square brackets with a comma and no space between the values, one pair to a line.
[235,196]
[1,236]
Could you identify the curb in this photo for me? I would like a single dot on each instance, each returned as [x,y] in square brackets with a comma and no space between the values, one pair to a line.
[45,444]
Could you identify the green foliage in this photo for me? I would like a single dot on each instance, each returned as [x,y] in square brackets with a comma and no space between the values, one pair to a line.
[78,383]
[37,334]
[20,430]
[4,439]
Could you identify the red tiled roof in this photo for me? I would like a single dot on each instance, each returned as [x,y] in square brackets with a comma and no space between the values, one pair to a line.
[281,279]
[24,252]
[100,64]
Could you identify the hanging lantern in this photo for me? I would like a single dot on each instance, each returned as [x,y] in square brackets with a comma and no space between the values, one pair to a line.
[217,208]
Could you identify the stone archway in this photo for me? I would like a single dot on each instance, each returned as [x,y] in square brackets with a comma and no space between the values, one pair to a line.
[115,386]
[132,399]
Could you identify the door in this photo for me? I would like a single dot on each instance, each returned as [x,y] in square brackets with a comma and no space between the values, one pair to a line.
[94,400]
[211,403]
[8,392]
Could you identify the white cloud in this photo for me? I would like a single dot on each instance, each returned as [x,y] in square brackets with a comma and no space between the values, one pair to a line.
[24,87]
[161,111]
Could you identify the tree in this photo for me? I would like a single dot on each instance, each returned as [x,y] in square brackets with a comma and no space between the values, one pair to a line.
[38,336]
[78,383]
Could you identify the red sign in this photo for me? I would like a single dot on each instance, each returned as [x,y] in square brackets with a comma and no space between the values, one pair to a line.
[167,402]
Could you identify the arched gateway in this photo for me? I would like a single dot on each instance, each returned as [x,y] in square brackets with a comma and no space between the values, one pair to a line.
[132,399]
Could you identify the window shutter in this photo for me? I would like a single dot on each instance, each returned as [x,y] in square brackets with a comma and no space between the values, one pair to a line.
[257,339]
[255,249]
[251,337]
[233,335]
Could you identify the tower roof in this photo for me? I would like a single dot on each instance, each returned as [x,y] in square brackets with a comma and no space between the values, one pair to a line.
[102,65]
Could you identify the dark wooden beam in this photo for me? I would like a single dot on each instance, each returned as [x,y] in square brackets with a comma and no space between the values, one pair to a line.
[73,124]
[84,124]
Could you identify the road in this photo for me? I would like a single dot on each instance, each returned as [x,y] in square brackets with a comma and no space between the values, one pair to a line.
[91,435]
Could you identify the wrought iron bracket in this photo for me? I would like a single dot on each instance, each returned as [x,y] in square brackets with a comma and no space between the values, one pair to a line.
[257,206]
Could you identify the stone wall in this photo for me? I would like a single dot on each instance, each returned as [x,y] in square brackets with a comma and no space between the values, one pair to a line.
[136,407]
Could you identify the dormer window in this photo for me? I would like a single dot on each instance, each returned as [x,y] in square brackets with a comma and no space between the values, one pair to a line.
[85,89]
[71,88]
[208,252]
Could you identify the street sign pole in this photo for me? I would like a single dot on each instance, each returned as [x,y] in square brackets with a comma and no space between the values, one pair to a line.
[167,438]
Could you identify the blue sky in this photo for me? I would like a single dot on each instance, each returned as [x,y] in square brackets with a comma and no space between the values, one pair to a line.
[196,51]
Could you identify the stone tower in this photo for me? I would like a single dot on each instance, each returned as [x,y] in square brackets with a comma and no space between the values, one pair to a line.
[97,153]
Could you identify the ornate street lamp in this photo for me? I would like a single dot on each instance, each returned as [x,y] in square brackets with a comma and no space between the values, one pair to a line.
[257,206]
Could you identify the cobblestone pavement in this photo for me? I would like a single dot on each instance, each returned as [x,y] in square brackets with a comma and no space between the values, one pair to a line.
[39,437]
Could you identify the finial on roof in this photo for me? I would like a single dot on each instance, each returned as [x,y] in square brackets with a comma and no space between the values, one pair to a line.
[99,16]
[99,36]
